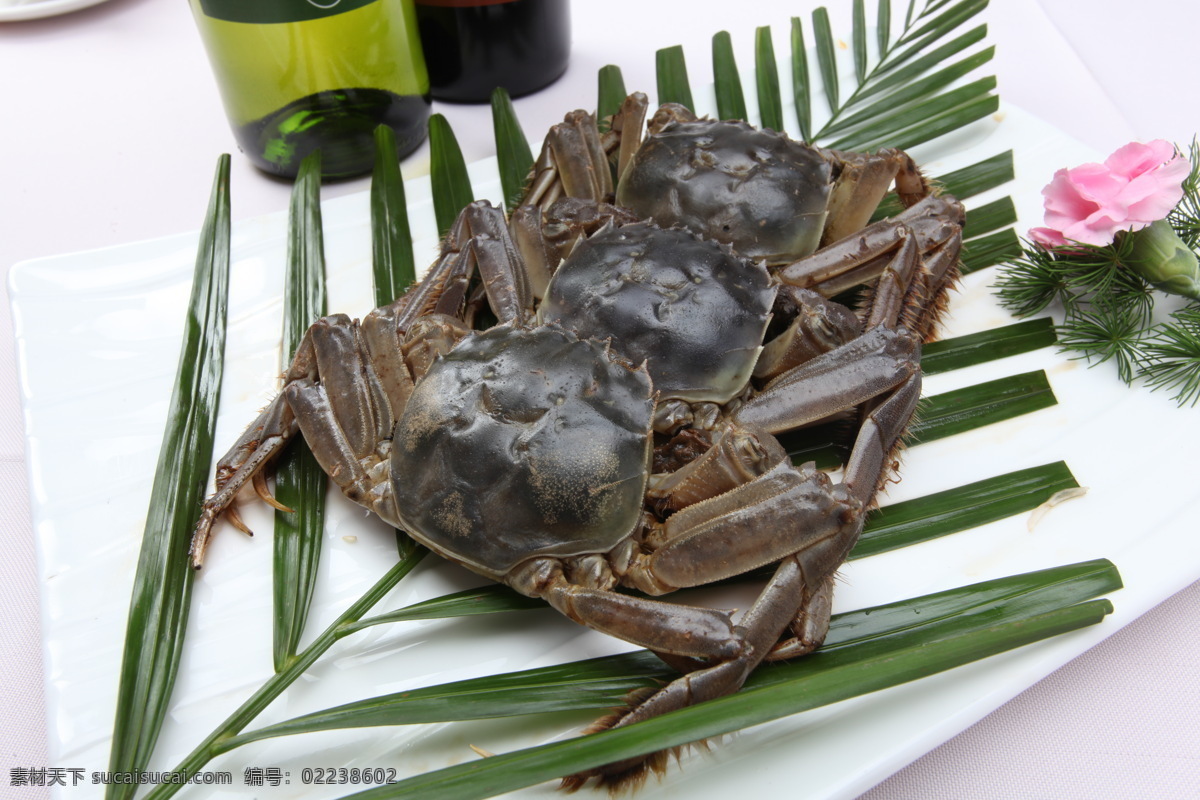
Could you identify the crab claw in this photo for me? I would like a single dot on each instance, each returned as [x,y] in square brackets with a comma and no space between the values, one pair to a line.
[260,488]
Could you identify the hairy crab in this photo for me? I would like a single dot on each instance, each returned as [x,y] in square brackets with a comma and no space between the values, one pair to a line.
[617,427]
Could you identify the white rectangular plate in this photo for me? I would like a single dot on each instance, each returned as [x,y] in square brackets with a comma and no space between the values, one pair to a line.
[98,337]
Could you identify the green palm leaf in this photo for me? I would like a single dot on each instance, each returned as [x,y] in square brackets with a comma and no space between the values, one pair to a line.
[392,265]
[913,93]
[299,480]
[917,86]
[603,682]
[512,148]
[859,39]
[826,57]
[452,190]
[778,692]
[801,87]
[731,103]
[770,105]
[673,85]
[611,93]
[162,584]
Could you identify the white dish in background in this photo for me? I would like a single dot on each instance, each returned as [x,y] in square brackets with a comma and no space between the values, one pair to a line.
[36,9]
[98,338]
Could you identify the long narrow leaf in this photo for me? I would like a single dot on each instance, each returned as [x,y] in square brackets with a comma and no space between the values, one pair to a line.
[980,177]
[299,480]
[1034,592]
[912,92]
[801,81]
[990,217]
[979,348]
[512,148]
[858,38]
[731,102]
[770,102]
[937,416]
[393,268]
[162,584]
[673,85]
[603,682]
[982,404]
[490,599]
[987,251]
[876,669]
[214,744]
[925,120]
[932,516]
[826,56]
[946,122]
[943,23]
[610,94]
[452,190]
[883,25]
[891,76]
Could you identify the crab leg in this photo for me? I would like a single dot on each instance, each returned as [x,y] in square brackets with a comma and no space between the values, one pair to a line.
[346,417]
[818,326]
[845,264]
[627,124]
[654,624]
[861,185]
[261,442]
[781,512]
[758,630]
[737,457]
[572,163]
[877,362]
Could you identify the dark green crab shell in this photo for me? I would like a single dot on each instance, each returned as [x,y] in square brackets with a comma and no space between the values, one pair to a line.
[519,443]
[756,190]
[688,307]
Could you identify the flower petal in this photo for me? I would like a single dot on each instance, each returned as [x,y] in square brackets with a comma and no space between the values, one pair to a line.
[1064,204]
[1047,237]
[1136,158]
[1095,182]
[1153,194]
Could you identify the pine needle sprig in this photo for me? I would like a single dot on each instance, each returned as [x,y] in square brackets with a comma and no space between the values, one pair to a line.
[1171,359]
[1086,277]
[1106,332]
[1185,218]
[1032,282]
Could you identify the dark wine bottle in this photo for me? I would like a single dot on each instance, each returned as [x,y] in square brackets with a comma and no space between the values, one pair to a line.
[473,46]
[298,75]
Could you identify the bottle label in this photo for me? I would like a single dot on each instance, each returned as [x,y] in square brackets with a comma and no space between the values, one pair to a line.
[462,3]
[269,11]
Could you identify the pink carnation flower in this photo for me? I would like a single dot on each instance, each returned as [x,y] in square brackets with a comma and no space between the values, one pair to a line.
[1137,185]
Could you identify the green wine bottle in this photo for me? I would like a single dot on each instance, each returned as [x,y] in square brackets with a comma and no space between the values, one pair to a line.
[298,75]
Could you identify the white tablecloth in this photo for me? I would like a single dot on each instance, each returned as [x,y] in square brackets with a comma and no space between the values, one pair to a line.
[110,110]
